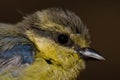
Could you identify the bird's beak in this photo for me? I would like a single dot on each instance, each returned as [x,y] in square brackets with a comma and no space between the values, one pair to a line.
[89,53]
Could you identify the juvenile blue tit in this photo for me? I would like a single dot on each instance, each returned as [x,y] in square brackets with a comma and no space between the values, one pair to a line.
[51,44]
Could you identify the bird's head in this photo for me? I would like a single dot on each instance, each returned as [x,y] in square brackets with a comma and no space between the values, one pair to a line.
[59,37]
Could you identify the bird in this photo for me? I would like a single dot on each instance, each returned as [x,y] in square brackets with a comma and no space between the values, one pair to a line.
[50,44]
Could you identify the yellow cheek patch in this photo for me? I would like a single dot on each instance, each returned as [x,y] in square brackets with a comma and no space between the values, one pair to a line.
[65,61]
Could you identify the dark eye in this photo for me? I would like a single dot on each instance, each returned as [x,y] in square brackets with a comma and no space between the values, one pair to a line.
[62,38]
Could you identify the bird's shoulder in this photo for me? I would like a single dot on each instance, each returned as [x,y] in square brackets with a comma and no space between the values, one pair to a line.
[13,49]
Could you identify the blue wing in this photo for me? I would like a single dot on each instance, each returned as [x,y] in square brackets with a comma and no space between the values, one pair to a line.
[23,50]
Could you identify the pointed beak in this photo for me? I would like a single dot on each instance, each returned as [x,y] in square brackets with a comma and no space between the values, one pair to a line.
[89,53]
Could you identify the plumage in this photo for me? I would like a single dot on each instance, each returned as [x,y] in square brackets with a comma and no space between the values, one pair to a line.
[47,45]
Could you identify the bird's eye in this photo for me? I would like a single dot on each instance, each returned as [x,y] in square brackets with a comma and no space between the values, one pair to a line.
[62,38]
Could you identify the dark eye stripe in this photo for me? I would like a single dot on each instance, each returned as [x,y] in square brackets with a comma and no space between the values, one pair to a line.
[60,38]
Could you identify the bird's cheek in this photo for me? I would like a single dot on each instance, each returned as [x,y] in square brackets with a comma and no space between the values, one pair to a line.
[79,40]
[40,43]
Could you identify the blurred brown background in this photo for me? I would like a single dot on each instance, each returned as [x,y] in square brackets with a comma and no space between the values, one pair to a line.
[101,17]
